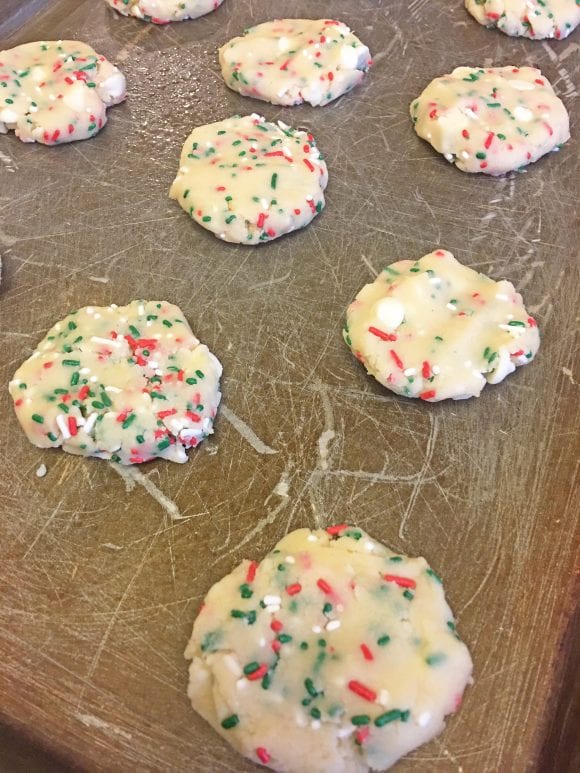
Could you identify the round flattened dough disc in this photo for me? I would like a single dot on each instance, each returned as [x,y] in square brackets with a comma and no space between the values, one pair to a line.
[535,19]
[435,329]
[333,654]
[291,61]
[491,120]
[57,91]
[250,181]
[164,11]
[126,383]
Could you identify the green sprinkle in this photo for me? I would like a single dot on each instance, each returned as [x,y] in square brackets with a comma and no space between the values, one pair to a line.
[230,722]
[382,640]
[37,418]
[237,613]
[251,667]
[52,436]
[157,396]
[163,443]
[310,688]
[274,180]
[230,219]
[360,719]
[327,608]
[129,420]
[396,559]
[480,154]
[516,323]
[245,591]
[408,595]
[304,645]
[387,717]
[315,713]
[435,659]
[434,575]
[72,363]
[106,400]
[284,638]
[266,680]
[191,381]
[96,404]
[74,379]
[140,438]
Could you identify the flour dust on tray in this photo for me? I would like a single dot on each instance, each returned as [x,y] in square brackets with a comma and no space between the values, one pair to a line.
[126,383]
[332,654]
[535,19]
[491,120]
[435,329]
[290,61]
[56,91]
[164,11]
[250,181]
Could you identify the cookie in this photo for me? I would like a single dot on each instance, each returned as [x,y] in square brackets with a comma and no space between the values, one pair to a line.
[250,181]
[126,383]
[435,329]
[164,11]
[535,19]
[290,61]
[57,91]
[491,120]
[331,654]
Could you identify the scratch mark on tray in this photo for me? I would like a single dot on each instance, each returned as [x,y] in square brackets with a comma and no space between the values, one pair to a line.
[434,428]
[245,431]
[45,526]
[89,720]
[132,476]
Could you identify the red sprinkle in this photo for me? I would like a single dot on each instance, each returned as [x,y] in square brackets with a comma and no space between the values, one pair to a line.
[276,626]
[332,530]
[72,425]
[397,360]
[488,140]
[261,219]
[403,582]
[362,734]
[251,573]
[258,673]
[532,322]
[362,690]
[428,395]
[380,334]
[285,65]
[83,392]
[367,654]
[426,370]
[262,755]
[292,590]
[324,586]
[309,164]
[465,134]
[48,365]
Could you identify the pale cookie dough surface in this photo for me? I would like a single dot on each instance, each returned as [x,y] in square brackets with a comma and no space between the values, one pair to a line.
[290,61]
[435,329]
[535,19]
[491,120]
[250,181]
[164,11]
[56,91]
[332,654]
[126,383]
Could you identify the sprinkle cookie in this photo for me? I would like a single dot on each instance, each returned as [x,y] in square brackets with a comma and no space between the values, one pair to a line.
[332,654]
[164,11]
[535,19]
[250,181]
[126,383]
[55,92]
[491,120]
[435,329]
[290,61]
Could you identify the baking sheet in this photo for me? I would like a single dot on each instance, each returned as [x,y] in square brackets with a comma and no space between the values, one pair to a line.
[102,573]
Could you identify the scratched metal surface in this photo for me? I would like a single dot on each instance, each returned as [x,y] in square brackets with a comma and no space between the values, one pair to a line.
[101,573]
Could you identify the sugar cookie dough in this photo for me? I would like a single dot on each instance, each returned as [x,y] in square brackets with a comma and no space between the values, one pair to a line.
[290,61]
[126,383]
[164,11]
[535,19]
[250,181]
[435,329]
[332,654]
[56,91]
[491,120]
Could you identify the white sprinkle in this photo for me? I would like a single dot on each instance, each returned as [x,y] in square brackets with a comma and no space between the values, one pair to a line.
[424,719]
[141,309]
[272,608]
[90,423]
[435,280]
[315,724]
[89,310]
[41,472]
[63,426]
[153,364]
[115,390]
[383,698]
[390,312]
[523,114]
[502,297]
[464,154]
[316,629]
[451,307]
[93,379]
[232,665]
[272,600]
[370,546]
[84,371]
[241,684]
[312,538]
[290,560]
[333,625]
[436,370]
[410,372]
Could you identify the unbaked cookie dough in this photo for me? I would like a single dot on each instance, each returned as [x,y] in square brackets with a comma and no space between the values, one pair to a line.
[290,61]
[56,91]
[535,19]
[491,120]
[435,329]
[332,654]
[126,383]
[250,181]
[164,11]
